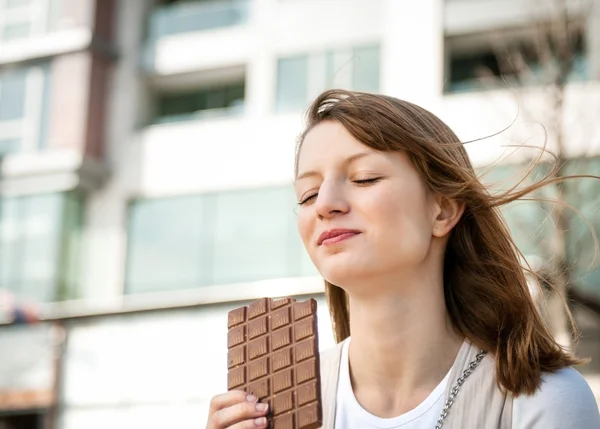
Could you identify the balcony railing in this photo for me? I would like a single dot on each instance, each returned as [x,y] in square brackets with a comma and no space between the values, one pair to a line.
[187,17]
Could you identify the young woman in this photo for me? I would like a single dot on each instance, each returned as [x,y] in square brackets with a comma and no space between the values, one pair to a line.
[434,320]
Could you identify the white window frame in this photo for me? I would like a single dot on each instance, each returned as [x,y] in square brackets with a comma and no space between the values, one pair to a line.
[34,14]
[27,128]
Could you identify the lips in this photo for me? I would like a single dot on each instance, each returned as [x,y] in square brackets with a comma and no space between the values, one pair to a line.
[336,235]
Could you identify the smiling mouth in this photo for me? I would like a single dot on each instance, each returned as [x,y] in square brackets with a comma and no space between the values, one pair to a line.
[339,238]
[336,236]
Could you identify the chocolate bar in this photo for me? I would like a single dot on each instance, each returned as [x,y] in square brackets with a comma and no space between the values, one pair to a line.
[273,354]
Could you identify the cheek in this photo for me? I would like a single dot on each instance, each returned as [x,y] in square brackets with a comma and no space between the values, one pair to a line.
[305,228]
[404,217]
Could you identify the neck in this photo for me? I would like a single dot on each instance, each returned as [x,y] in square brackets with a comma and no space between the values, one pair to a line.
[403,344]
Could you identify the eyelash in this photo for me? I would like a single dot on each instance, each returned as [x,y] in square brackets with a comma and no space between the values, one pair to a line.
[358,182]
[367,181]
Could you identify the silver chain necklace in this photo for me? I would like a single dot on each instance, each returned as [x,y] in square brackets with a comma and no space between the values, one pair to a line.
[459,382]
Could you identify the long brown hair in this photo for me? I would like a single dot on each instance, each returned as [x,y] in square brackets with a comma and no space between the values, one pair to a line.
[485,285]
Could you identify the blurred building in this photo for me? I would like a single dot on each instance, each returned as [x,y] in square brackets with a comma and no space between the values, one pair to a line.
[145,178]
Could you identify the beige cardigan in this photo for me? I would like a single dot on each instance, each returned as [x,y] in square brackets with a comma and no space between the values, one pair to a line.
[480,404]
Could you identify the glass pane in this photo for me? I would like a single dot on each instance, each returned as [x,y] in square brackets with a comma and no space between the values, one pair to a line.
[12,95]
[187,16]
[252,240]
[215,99]
[40,235]
[527,220]
[9,146]
[194,104]
[169,243]
[581,66]
[30,245]
[533,228]
[236,95]
[9,243]
[339,66]
[292,83]
[16,31]
[584,194]
[366,69]
[72,240]
[45,106]
[330,70]
[467,70]
[529,225]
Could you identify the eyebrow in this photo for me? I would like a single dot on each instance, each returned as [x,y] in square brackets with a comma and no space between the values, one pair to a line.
[346,162]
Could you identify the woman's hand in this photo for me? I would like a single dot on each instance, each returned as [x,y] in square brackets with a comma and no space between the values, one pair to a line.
[236,410]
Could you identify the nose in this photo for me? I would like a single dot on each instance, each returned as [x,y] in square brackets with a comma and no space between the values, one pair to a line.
[331,201]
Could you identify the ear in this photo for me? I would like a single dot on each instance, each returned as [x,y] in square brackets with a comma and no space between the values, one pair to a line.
[447,214]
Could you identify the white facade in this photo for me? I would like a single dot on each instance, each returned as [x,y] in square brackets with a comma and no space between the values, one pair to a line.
[154,370]
[256,149]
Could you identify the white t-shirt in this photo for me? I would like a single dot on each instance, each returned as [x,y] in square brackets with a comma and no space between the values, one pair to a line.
[565,401]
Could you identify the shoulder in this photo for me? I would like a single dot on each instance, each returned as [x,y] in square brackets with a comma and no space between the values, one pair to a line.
[564,401]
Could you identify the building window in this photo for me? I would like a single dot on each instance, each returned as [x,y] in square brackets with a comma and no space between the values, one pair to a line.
[301,78]
[477,63]
[39,237]
[252,232]
[24,98]
[466,70]
[210,239]
[365,76]
[167,245]
[224,100]
[23,19]
[184,16]
[292,82]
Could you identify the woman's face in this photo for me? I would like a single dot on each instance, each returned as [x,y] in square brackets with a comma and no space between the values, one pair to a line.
[363,214]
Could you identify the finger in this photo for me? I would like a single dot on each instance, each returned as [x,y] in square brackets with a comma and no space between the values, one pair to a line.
[258,423]
[238,413]
[228,399]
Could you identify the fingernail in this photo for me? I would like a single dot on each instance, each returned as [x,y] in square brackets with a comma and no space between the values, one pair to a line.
[251,398]
[262,407]
[260,421]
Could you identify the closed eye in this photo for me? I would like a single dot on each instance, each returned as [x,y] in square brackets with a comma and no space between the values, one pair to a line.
[358,182]
[307,199]
[367,181]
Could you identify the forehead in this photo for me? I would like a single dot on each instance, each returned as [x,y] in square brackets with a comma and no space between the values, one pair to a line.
[328,141]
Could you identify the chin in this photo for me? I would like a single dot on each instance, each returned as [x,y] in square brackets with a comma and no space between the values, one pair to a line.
[345,274]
